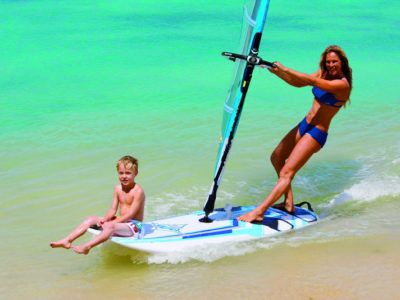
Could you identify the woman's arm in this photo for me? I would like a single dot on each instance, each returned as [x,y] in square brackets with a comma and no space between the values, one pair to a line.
[290,76]
[338,87]
[298,79]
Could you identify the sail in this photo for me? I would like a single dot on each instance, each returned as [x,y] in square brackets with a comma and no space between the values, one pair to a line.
[254,16]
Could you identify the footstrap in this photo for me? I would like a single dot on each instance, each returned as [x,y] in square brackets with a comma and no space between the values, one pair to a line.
[305,203]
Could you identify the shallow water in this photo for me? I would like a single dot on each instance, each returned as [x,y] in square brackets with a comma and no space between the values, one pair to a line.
[84,84]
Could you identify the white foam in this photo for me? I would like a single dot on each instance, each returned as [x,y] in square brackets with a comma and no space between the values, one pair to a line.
[210,253]
[396,161]
[206,253]
[170,204]
[368,189]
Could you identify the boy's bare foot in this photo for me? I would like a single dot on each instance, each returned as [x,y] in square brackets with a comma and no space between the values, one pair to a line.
[81,249]
[64,243]
[254,215]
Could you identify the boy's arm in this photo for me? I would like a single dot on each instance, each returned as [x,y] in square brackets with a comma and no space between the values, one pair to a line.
[113,209]
[134,209]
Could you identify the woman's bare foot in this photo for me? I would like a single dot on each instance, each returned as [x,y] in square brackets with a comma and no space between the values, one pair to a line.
[64,243]
[285,207]
[81,249]
[254,215]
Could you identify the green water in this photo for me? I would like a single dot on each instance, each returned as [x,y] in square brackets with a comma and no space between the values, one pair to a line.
[83,83]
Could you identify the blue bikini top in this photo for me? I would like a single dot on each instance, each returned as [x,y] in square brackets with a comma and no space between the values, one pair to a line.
[326,97]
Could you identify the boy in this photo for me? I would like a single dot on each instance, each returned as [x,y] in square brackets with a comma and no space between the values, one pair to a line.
[129,196]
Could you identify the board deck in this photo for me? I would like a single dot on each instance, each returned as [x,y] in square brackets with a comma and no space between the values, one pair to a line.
[184,232]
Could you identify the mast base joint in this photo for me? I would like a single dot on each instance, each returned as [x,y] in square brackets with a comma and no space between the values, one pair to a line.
[206,219]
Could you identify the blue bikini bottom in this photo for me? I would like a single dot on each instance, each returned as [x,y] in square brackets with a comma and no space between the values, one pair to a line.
[317,134]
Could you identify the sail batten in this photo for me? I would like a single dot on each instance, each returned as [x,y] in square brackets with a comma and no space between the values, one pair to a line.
[255,13]
[250,21]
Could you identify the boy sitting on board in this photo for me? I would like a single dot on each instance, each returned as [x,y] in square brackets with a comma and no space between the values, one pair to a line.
[129,196]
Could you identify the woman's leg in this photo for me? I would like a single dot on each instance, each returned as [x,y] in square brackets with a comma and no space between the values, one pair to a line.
[278,159]
[301,153]
[77,232]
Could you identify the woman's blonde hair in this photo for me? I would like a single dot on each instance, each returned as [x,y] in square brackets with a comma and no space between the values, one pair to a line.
[347,71]
[129,162]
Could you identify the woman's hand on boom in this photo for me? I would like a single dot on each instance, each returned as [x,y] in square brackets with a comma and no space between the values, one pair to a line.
[277,69]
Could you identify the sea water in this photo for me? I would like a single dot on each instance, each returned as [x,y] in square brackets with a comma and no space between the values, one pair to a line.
[83,83]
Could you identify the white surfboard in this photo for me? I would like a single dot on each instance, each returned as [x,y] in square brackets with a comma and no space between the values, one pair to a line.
[185,232]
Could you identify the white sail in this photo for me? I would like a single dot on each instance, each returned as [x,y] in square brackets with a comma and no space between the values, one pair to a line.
[254,16]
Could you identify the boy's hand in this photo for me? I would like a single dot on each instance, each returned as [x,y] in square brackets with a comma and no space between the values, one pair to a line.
[101,222]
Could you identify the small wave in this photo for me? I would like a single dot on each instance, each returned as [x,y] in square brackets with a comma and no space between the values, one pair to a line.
[213,252]
[206,253]
[396,161]
[170,204]
[368,190]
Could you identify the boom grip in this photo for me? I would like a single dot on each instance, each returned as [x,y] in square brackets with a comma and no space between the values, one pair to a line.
[251,59]
[267,63]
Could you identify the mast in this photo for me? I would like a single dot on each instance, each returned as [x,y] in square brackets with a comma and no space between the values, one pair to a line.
[245,63]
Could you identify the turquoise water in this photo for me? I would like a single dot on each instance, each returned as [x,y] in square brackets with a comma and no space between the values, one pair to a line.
[84,83]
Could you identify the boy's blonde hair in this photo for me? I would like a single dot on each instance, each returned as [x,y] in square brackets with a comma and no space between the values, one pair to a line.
[129,162]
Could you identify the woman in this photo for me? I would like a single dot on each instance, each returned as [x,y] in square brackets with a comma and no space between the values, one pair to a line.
[332,85]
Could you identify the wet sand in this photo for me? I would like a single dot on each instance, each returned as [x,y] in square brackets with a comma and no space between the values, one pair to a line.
[346,268]
[351,268]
